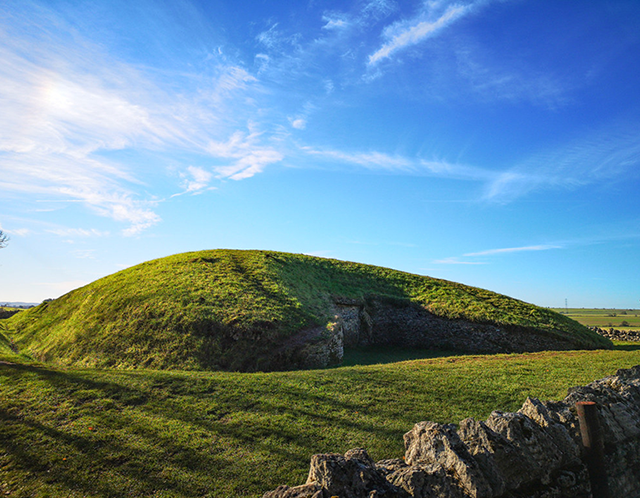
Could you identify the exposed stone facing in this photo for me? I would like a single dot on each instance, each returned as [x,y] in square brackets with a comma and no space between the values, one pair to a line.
[532,453]
[354,328]
[407,324]
[396,322]
[313,348]
[328,350]
[389,323]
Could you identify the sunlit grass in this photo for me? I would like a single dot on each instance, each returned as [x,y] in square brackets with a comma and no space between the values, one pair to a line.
[86,432]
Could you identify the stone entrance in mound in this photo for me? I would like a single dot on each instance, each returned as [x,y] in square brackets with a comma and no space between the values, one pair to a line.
[385,321]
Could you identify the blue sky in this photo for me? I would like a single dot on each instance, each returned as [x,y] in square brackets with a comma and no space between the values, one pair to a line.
[493,143]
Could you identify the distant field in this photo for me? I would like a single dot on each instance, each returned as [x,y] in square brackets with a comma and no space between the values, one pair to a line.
[623,319]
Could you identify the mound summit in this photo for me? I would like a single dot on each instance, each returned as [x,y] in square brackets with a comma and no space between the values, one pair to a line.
[264,310]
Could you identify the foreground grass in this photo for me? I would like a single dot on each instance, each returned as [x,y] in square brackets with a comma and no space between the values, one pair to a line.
[89,433]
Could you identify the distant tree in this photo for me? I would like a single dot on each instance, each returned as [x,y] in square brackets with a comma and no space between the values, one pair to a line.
[4,238]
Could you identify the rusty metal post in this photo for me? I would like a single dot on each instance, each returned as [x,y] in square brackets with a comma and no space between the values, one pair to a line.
[593,443]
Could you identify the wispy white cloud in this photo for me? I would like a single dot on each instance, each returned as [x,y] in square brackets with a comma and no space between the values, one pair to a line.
[301,60]
[465,66]
[375,10]
[456,260]
[278,40]
[94,183]
[369,160]
[20,232]
[489,79]
[298,123]
[606,156]
[329,87]
[61,104]
[78,232]
[262,62]
[445,169]
[407,33]
[196,180]
[335,22]
[65,102]
[271,37]
[506,250]
[249,155]
[84,253]
[230,80]
[375,160]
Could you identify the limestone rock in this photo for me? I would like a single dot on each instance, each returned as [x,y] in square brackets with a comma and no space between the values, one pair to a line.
[304,491]
[538,412]
[353,475]
[534,444]
[503,465]
[432,443]
[426,481]
[326,349]
[386,467]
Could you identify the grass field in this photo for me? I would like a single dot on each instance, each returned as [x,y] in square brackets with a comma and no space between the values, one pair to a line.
[111,433]
[622,319]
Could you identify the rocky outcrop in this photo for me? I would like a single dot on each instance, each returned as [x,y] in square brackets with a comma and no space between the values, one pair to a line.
[395,322]
[535,452]
[385,321]
[618,335]
[399,322]
[313,348]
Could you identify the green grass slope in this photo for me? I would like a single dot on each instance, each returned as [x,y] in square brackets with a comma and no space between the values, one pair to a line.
[229,309]
[71,432]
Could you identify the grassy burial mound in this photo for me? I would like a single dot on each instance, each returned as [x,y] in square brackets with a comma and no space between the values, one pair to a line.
[263,310]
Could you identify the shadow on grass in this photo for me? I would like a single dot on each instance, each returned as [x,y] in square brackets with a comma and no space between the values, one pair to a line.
[376,355]
[109,432]
[626,346]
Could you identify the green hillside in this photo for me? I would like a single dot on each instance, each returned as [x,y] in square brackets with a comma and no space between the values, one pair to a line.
[231,310]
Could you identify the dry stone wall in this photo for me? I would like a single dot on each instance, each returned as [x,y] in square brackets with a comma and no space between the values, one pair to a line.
[618,335]
[535,452]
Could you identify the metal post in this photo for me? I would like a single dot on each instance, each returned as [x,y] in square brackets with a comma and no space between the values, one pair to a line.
[593,443]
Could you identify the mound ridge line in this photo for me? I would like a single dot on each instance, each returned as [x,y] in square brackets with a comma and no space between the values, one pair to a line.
[249,310]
